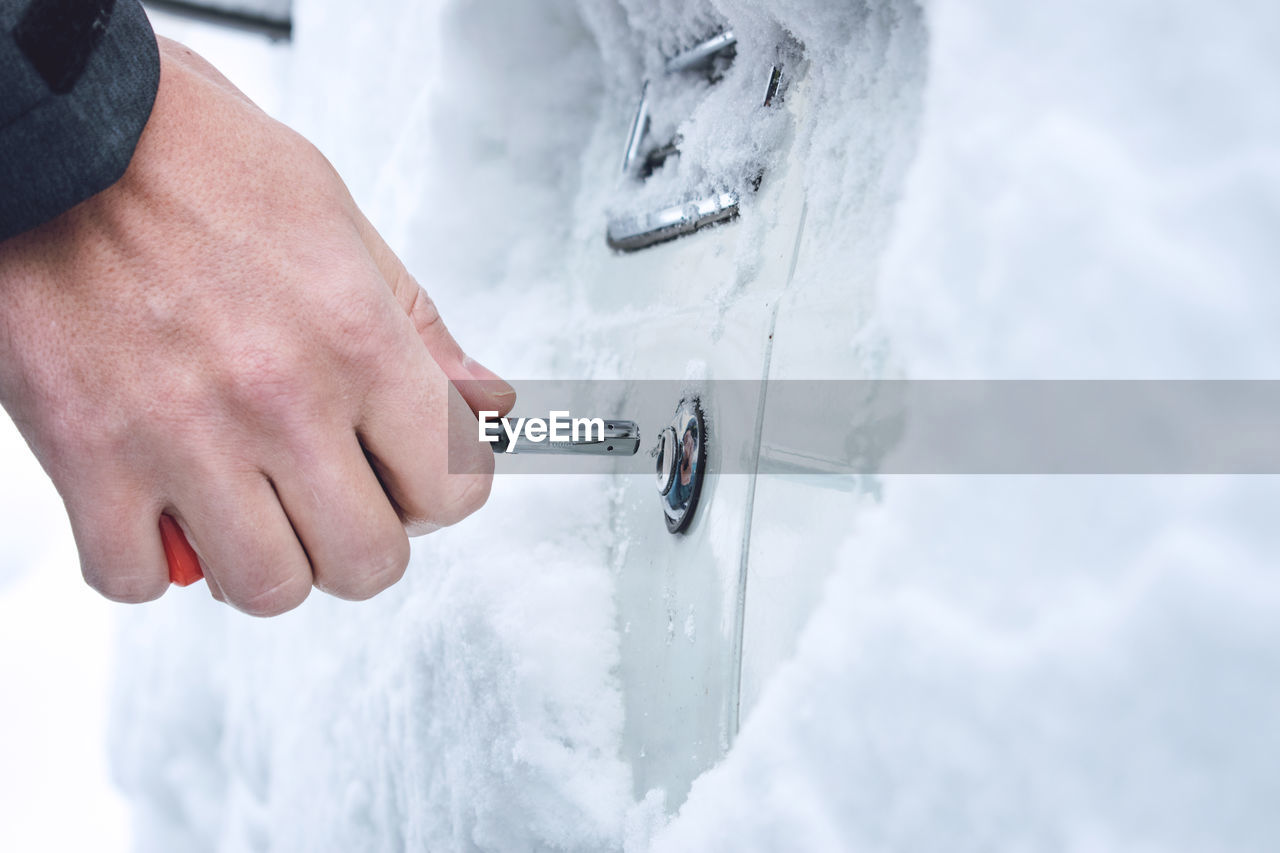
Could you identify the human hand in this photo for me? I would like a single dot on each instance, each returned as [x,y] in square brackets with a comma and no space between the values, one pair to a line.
[222,337]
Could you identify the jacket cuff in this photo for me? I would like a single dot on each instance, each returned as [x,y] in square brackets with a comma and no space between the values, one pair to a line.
[80,79]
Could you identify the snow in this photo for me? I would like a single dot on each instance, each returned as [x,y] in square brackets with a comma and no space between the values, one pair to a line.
[461,690]
[55,664]
[1118,165]
[995,189]
[1037,662]
[1022,663]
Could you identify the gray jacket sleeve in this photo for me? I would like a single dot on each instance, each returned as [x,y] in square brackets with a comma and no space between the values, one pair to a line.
[77,82]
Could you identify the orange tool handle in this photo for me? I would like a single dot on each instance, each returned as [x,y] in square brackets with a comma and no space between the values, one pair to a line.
[184,565]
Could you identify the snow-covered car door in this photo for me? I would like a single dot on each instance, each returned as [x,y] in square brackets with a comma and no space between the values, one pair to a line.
[695,311]
[777,298]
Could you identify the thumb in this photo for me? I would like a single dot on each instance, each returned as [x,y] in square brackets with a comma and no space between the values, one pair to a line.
[480,387]
[483,389]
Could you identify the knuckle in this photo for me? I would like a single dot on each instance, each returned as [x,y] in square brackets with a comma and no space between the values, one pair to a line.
[422,309]
[126,587]
[465,493]
[109,552]
[279,597]
[380,568]
[357,330]
[266,380]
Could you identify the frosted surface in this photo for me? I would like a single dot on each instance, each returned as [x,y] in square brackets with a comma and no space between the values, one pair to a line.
[1088,190]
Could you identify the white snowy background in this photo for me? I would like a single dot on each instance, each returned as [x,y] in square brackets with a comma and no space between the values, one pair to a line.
[1073,191]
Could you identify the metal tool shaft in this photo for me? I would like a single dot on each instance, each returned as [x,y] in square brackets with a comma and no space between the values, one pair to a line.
[620,438]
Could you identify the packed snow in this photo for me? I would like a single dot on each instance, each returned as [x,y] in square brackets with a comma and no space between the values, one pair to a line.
[994,189]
